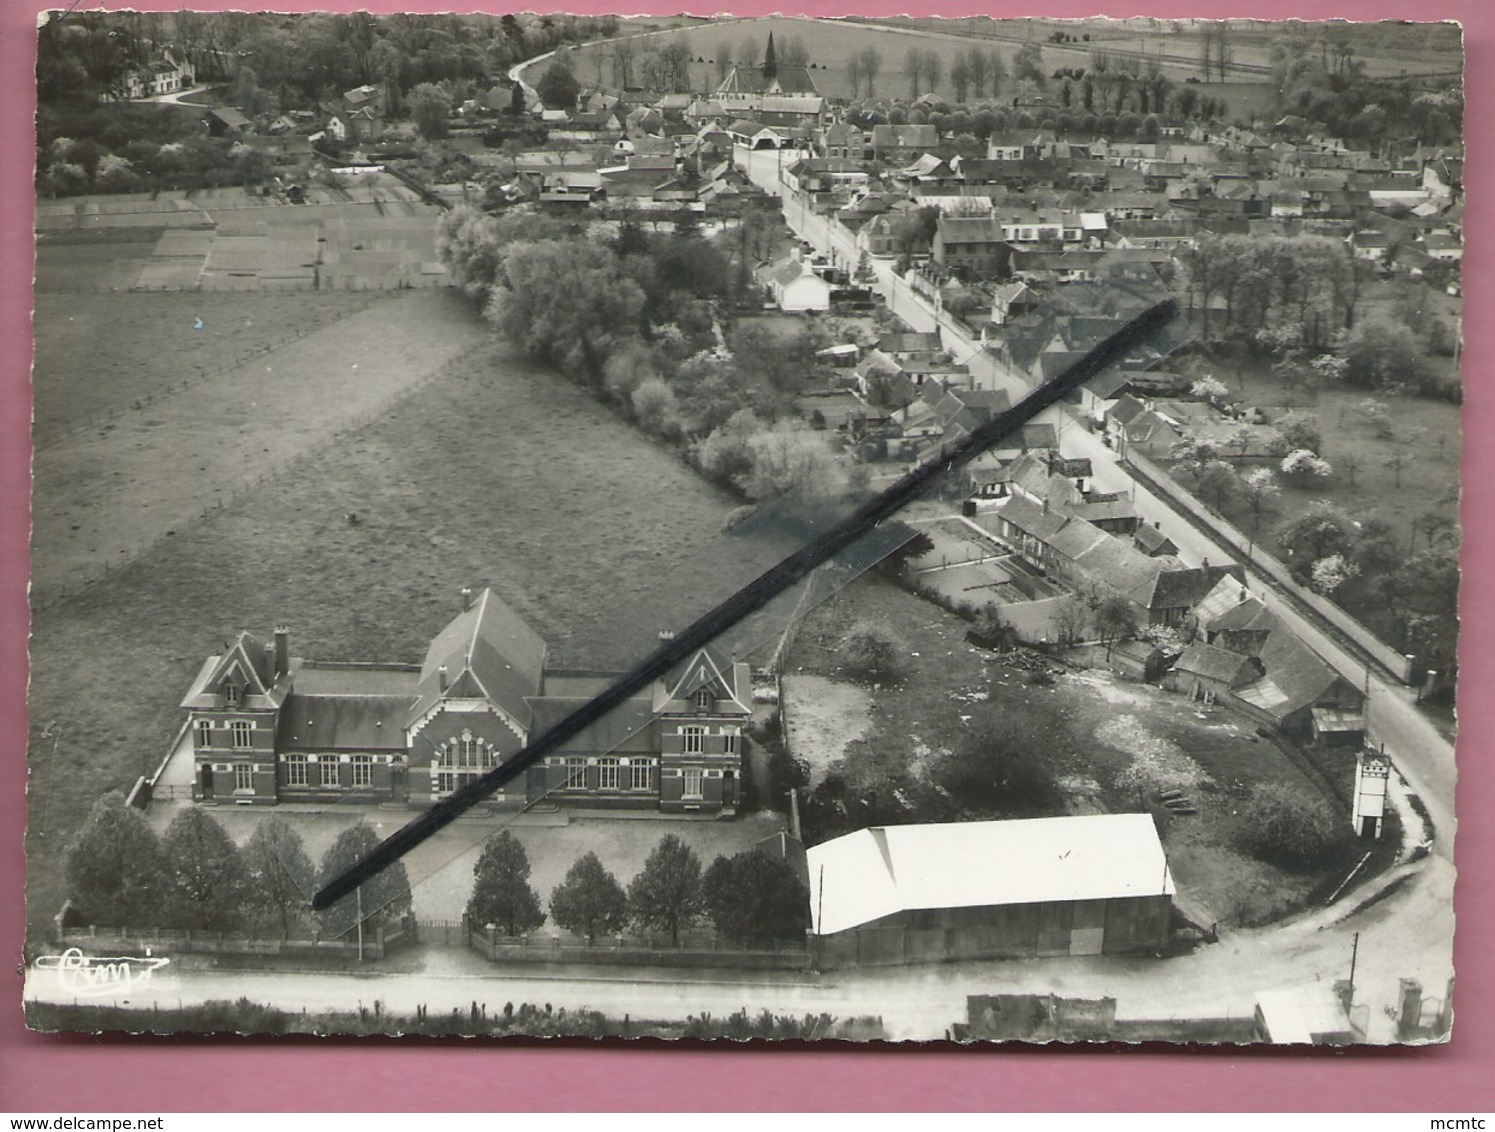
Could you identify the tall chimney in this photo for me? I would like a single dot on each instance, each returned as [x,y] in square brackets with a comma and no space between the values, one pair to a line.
[270,662]
[282,650]
[441,679]
[466,598]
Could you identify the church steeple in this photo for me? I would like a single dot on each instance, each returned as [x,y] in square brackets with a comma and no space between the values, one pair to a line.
[770,64]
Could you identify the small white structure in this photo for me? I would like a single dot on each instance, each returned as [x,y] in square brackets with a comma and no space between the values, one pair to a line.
[1315,1015]
[1372,772]
[795,286]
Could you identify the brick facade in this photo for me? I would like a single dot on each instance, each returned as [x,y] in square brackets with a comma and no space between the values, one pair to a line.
[268,727]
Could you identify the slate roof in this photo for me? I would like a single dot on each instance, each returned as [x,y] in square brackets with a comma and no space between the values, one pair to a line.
[488,652]
[787,79]
[625,729]
[1249,614]
[344,722]
[905,136]
[1153,541]
[1184,589]
[1215,663]
[245,657]
[1228,593]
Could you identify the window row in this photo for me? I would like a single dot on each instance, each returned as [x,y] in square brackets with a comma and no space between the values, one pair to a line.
[298,771]
[611,774]
[241,734]
[694,738]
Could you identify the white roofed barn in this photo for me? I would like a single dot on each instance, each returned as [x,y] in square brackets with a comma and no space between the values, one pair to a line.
[1088,885]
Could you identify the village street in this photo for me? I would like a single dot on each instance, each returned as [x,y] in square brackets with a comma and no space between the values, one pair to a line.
[1422,755]
[1401,925]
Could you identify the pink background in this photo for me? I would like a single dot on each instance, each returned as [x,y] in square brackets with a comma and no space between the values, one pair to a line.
[79,1074]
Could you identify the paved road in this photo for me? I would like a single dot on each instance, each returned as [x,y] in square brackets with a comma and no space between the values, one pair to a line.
[1403,935]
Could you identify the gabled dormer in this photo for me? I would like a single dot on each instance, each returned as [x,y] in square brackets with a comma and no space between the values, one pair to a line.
[705,685]
[247,676]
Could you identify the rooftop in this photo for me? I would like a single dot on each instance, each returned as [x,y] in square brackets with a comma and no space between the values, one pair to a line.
[877,872]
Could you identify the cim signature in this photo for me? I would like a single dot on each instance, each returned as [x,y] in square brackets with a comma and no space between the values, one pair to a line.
[95,975]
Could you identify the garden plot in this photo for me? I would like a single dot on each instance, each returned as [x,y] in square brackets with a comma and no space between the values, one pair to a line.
[74,262]
[176,262]
[821,716]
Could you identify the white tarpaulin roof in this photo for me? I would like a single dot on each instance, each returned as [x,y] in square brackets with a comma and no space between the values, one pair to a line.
[873,873]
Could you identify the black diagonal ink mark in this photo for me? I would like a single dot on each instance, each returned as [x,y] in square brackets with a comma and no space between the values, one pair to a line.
[753,597]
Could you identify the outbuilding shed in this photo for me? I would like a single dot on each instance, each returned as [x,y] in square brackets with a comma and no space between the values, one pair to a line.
[1086,885]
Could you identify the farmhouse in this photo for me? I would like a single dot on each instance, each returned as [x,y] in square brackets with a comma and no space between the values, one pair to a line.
[1247,658]
[268,727]
[165,73]
[794,285]
[1092,885]
[1160,589]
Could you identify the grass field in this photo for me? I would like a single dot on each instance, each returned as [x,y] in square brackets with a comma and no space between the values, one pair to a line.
[79,384]
[103,494]
[1112,744]
[1429,481]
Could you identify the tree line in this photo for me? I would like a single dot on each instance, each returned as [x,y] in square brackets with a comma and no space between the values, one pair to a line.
[194,877]
[638,320]
[750,898]
[299,59]
[1316,76]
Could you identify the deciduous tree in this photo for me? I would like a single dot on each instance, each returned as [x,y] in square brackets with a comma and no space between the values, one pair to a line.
[382,899]
[429,107]
[205,874]
[501,893]
[667,894]
[1115,619]
[590,900]
[1321,530]
[1260,492]
[280,879]
[565,302]
[558,88]
[115,869]
[753,898]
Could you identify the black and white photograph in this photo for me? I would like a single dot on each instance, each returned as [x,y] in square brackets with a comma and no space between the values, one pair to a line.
[850,529]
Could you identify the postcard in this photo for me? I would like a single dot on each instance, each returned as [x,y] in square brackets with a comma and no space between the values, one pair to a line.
[848,529]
